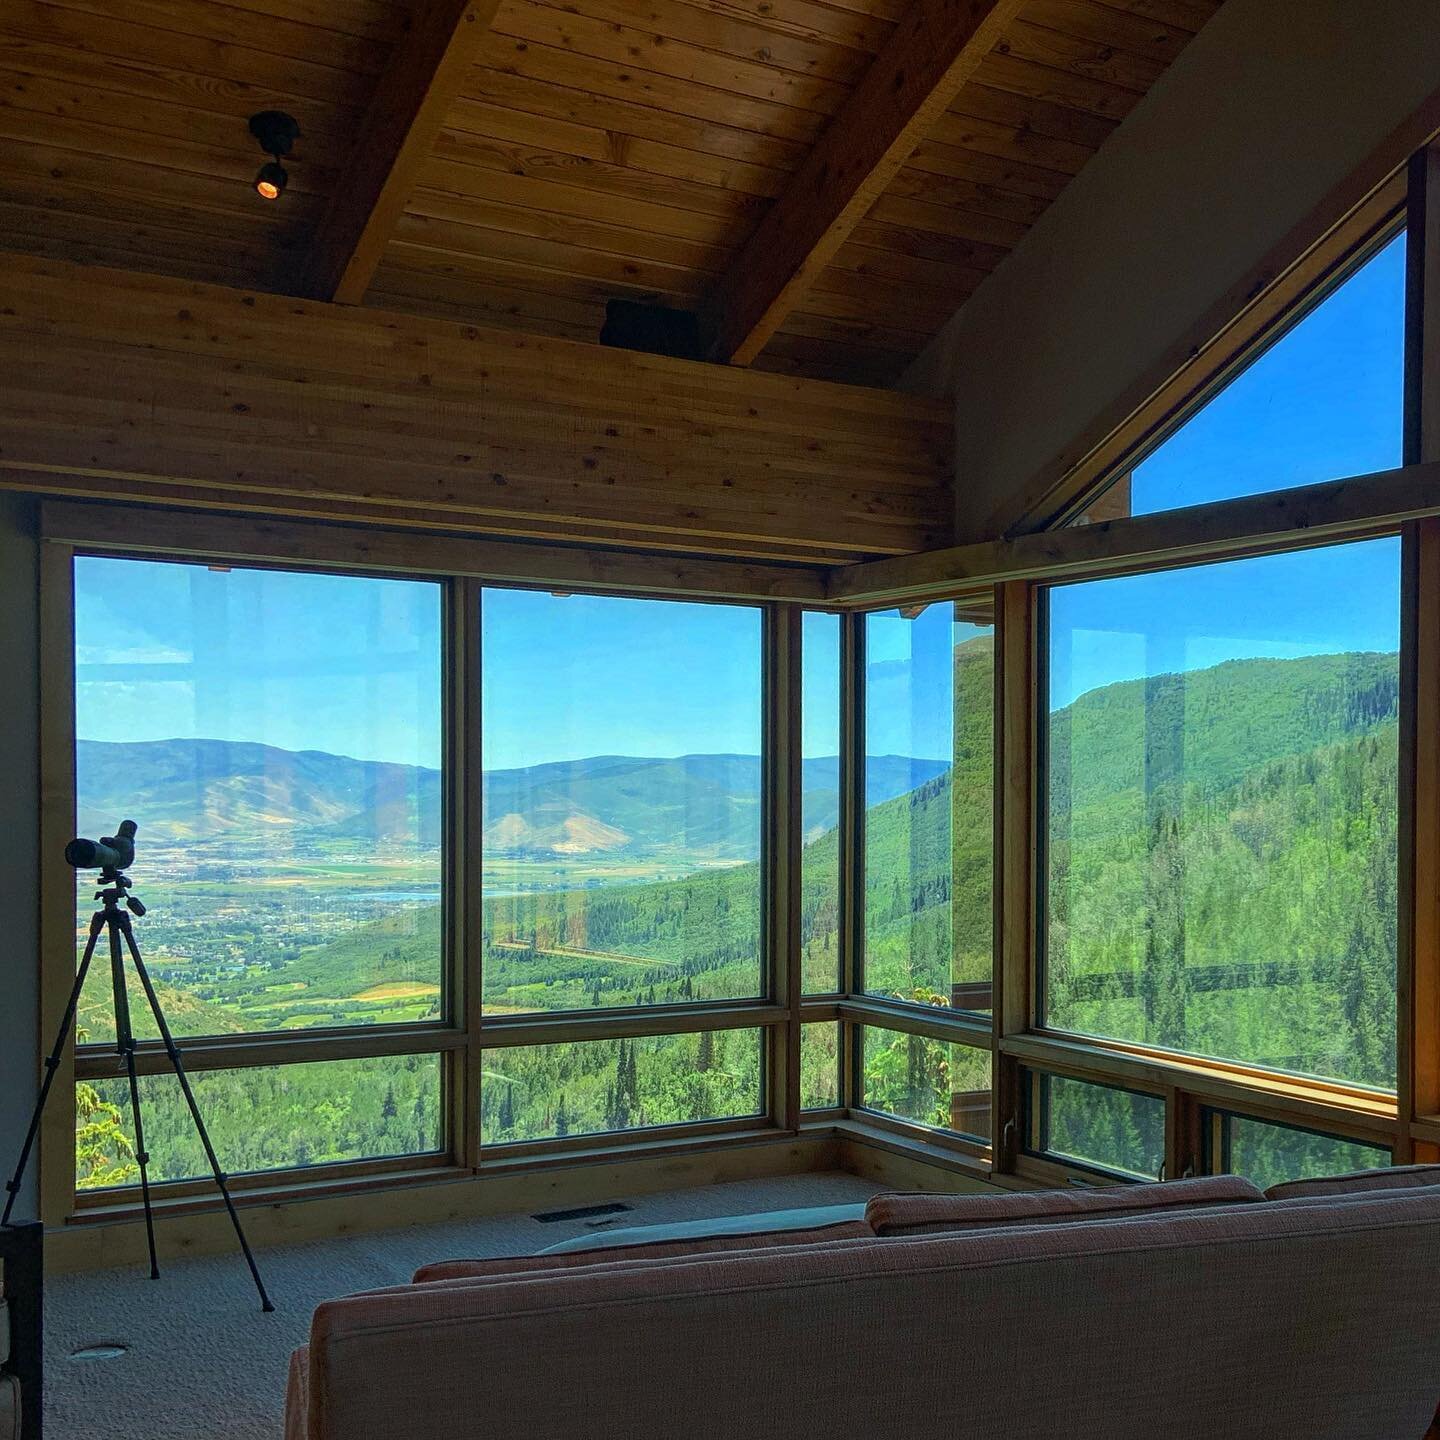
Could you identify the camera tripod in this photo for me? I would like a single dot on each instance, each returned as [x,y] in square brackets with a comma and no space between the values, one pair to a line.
[110,917]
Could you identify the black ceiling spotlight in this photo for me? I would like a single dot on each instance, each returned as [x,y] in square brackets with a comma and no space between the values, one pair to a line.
[277,132]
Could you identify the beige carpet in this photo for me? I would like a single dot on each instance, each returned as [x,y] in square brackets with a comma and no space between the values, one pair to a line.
[202,1363]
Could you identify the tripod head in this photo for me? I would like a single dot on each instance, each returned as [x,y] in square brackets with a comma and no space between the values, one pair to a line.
[113,855]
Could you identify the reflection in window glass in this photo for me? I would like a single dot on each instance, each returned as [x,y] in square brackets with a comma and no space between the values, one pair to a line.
[1097,1125]
[1221,832]
[820,804]
[1323,402]
[820,1065]
[271,1117]
[929,790]
[932,1082]
[587,1087]
[277,739]
[1269,1154]
[622,804]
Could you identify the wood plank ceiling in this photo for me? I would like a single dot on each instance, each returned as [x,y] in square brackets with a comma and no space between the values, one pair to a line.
[567,154]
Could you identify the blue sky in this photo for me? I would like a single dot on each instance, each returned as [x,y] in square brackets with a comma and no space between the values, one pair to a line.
[352,665]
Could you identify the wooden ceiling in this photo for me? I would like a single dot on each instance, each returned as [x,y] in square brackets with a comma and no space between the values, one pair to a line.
[519,164]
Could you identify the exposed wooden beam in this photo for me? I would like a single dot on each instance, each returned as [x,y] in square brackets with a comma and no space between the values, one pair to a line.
[1337,509]
[932,53]
[410,104]
[115,385]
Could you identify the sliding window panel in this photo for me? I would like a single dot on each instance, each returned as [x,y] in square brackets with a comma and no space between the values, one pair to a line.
[1323,401]
[938,1083]
[622,802]
[1221,831]
[820,804]
[1100,1127]
[272,1117]
[277,737]
[929,805]
[594,1087]
[1269,1154]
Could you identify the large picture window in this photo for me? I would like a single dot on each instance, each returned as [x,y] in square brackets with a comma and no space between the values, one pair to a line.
[277,738]
[1221,810]
[622,802]
[929,793]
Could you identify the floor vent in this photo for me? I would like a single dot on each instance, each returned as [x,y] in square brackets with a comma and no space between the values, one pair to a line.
[585,1212]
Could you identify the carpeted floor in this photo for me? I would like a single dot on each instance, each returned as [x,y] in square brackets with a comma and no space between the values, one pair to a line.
[202,1363]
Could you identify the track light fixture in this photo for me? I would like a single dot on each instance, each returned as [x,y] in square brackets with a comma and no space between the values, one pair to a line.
[277,132]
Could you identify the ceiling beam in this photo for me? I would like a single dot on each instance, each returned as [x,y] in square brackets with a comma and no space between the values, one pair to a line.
[933,51]
[411,100]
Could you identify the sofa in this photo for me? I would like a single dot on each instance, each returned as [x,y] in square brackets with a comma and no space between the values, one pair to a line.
[1200,1308]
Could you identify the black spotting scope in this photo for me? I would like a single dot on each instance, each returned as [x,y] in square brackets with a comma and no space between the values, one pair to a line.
[109,852]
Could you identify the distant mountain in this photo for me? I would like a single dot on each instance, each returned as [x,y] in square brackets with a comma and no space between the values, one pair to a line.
[705,805]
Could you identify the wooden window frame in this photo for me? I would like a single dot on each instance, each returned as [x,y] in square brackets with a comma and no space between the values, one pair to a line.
[463,1033]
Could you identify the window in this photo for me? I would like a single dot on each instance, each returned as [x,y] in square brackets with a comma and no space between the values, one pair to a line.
[1324,401]
[930,1082]
[277,739]
[269,1117]
[588,1087]
[1269,1154]
[929,793]
[622,805]
[1221,761]
[820,804]
[819,1065]
[1100,1127]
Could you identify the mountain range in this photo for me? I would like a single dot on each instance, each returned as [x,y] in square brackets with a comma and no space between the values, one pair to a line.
[214,790]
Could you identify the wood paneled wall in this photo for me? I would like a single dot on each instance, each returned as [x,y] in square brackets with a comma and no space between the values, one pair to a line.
[113,383]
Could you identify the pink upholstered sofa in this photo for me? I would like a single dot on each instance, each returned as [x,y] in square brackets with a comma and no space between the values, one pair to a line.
[1195,1309]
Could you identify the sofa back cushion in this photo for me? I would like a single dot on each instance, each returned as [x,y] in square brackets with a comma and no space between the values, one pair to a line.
[1248,1321]
[903,1214]
[658,1247]
[1396,1177]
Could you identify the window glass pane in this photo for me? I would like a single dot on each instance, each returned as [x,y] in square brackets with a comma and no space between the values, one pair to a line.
[277,739]
[586,1087]
[1097,1125]
[1221,834]
[271,1117]
[819,1065]
[1269,1154]
[1323,402]
[932,1082]
[820,804]
[622,801]
[929,789]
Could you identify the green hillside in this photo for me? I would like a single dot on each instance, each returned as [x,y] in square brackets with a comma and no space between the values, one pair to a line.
[1222,878]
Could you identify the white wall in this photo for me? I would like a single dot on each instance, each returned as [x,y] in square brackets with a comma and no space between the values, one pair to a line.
[19,827]
[1273,105]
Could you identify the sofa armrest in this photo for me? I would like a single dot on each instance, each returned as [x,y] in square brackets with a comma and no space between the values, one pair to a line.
[297,1396]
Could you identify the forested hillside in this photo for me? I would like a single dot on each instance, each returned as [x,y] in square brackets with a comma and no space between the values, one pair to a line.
[1222,871]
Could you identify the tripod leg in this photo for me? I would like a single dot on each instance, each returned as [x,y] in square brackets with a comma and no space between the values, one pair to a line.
[125,1046]
[143,1158]
[52,1063]
[173,1051]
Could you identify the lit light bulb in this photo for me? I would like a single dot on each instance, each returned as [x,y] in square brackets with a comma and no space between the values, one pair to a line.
[270,182]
